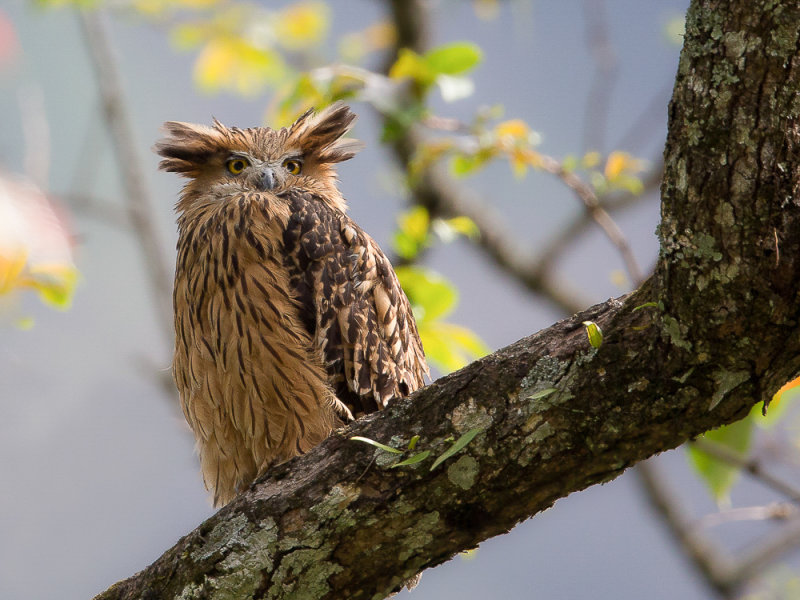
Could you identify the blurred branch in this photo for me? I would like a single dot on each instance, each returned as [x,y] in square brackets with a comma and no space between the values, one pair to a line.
[598,100]
[748,465]
[445,197]
[36,133]
[597,213]
[711,561]
[774,511]
[103,211]
[723,573]
[583,220]
[641,126]
[139,202]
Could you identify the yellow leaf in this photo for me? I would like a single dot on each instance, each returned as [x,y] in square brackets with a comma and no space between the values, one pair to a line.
[55,283]
[11,266]
[590,160]
[302,24]
[619,163]
[410,65]
[515,128]
[379,36]
[233,64]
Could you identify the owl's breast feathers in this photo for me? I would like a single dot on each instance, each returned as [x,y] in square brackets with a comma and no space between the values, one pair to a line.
[286,312]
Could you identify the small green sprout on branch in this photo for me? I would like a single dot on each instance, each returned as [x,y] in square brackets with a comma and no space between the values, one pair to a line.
[456,446]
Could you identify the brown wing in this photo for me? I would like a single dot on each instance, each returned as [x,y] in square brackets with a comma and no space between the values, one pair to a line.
[354,306]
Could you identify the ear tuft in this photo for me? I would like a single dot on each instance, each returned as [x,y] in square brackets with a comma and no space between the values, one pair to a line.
[320,134]
[187,147]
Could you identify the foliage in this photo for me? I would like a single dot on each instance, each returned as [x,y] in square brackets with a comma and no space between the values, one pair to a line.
[35,249]
[455,447]
[719,475]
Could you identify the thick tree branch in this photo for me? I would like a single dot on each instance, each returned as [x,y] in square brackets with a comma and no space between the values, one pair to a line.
[712,332]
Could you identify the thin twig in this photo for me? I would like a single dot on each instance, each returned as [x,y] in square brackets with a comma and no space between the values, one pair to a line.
[598,100]
[139,203]
[725,574]
[36,132]
[600,216]
[748,465]
[641,127]
[771,512]
[583,220]
[445,197]
[713,563]
[100,210]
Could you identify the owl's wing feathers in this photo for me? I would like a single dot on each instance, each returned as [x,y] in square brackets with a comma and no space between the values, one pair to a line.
[353,306]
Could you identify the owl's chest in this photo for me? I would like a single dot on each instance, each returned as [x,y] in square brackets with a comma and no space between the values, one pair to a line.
[228,262]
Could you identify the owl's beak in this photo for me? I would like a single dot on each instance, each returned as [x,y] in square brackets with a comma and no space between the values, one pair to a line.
[267,180]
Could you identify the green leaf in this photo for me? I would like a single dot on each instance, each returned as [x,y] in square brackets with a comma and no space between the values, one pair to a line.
[398,122]
[463,225]
[462,165]
[384,447]
[569,163]
[646,305]
[413,442]
[457,445]
[453,59]
[450,346]
[412,460]
[594,333]
[719,476]
[427,290]
[542,393]
[413,232]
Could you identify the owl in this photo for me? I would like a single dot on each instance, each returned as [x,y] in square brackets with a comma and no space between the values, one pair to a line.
[289,319]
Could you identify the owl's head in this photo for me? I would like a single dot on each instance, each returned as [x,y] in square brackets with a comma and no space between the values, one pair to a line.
[222,161]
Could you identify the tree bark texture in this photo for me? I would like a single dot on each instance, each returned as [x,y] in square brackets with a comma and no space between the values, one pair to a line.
[712,332]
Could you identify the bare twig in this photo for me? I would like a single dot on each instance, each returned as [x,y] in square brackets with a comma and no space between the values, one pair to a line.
[103,211]
[722,572]
[748,465]
[36,132]
[139,203]
[581,222]
[770,512]
[496,238]
[600,216]
[598,100]
[642,126]
[713,563]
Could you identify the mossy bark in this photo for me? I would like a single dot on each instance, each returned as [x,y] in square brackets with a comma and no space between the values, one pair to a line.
[714,331]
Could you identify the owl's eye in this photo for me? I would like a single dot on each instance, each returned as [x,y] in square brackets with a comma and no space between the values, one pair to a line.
[293,165]
[237,165]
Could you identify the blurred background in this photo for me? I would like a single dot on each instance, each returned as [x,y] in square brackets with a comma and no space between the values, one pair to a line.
[504,102]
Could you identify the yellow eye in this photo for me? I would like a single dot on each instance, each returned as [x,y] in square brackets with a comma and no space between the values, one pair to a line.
[237,165]
[293,166]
